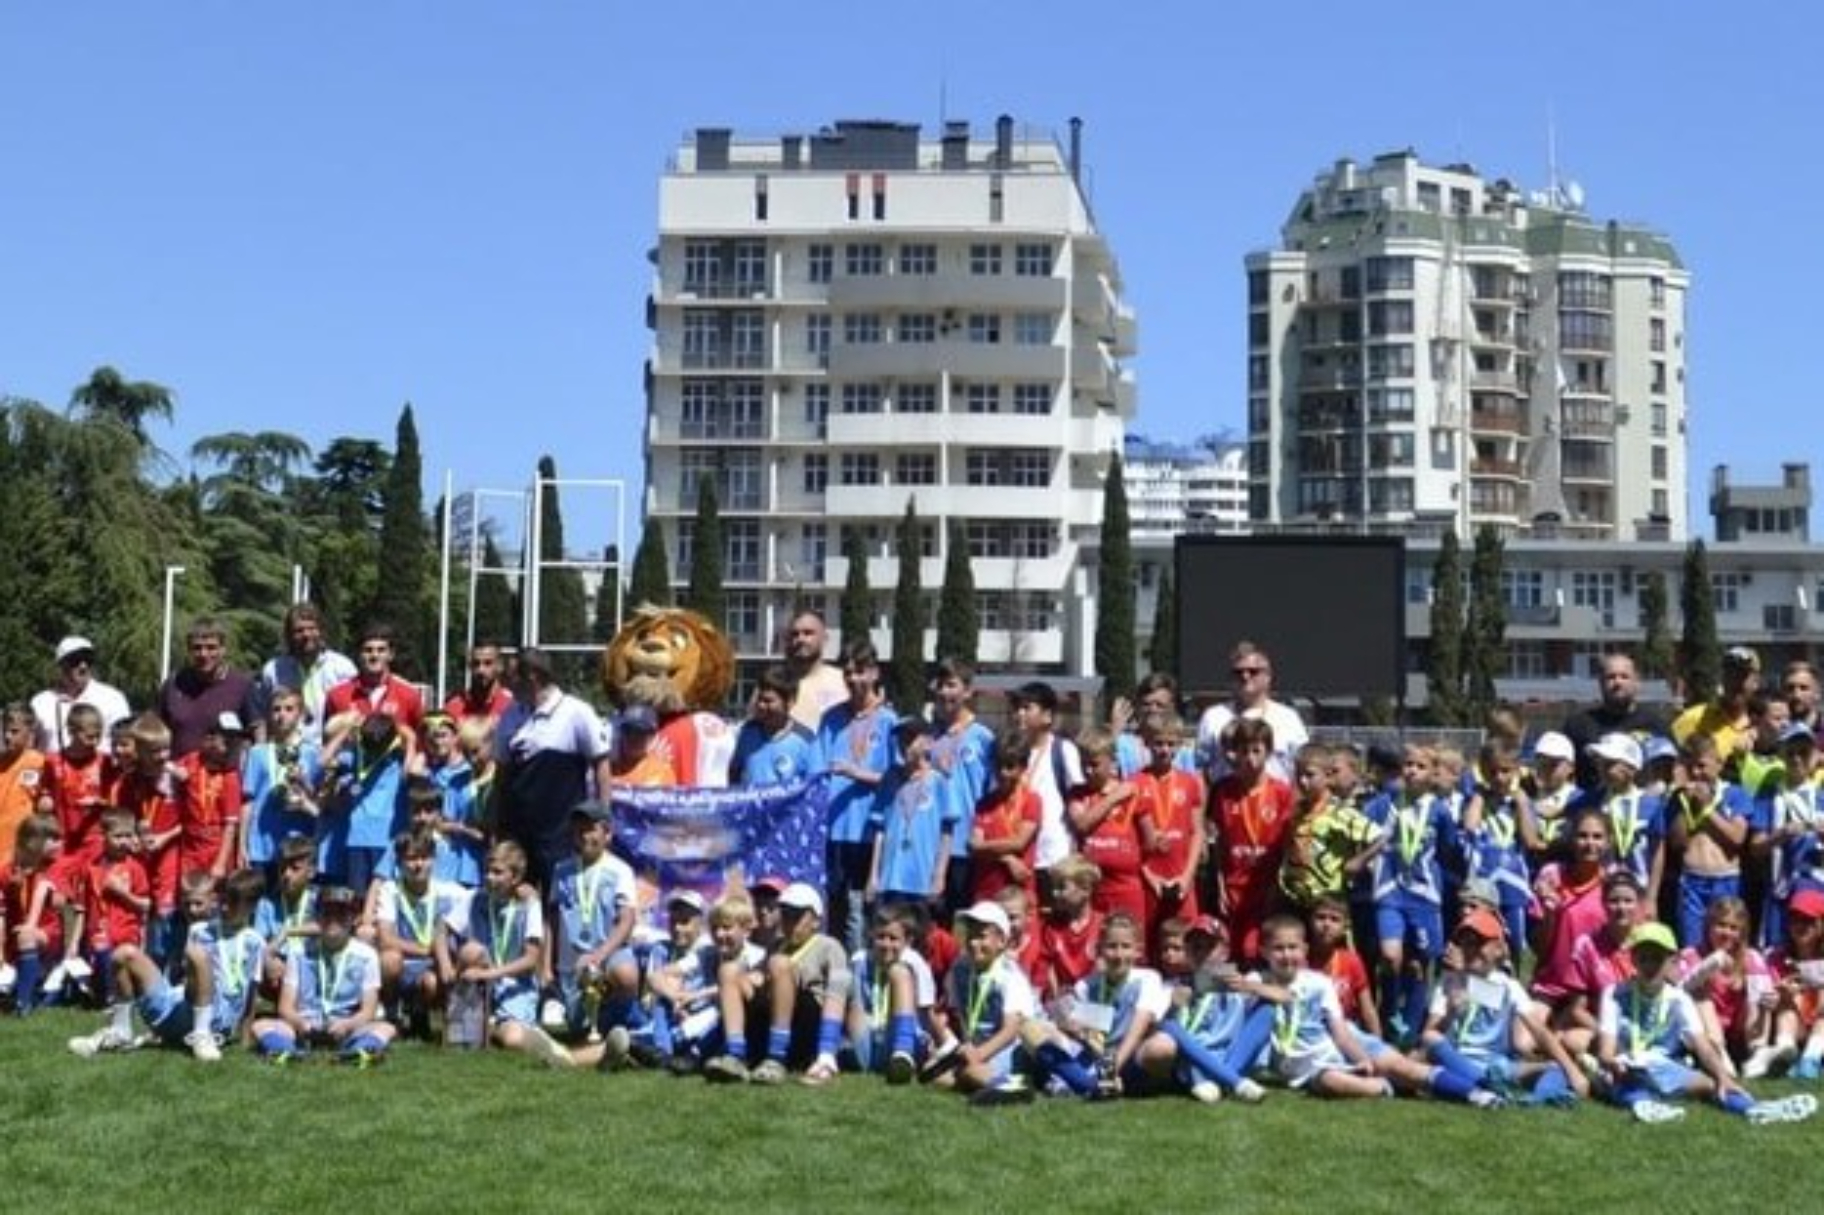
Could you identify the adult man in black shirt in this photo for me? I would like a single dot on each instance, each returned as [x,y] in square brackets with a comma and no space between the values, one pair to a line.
[1619,711]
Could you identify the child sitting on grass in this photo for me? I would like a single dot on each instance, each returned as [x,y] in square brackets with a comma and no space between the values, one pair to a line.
[499,945]
[1218,1028]
[1091,1047]
[804,996]
[991,1000]
[331,994]
[891,1025]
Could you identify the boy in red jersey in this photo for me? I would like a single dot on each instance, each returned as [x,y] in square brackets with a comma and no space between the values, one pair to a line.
[1171,826]
[209,801]
[21,773]
[151,791]
[116,897]
[1003,840]
[31,909]
[1250,816]
[73,788]
[1331,954]
[1067,937]
[1102,813]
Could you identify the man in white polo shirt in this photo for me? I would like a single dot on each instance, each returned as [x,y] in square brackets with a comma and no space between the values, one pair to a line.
[1253,674]
[76,685]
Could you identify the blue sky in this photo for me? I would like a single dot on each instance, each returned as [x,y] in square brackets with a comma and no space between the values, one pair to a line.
[302,216]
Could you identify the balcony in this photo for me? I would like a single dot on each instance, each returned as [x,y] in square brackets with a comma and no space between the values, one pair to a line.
[1323,378]
[1587,420]
[1494,381]
[953,293]
[1601,471]
[1509,469]
[733,289]
[1496,421]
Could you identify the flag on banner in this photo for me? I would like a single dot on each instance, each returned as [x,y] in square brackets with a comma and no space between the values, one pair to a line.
[708,839]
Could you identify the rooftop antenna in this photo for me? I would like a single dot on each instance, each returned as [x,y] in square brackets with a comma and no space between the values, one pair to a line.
[1551,156]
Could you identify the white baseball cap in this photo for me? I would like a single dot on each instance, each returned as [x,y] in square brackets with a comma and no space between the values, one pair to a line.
[74,645]
[802,896]
[989,914]
[1553,745]
[1622,747]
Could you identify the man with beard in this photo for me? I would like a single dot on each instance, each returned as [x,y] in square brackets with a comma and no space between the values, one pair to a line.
[308,665]
[1618,712]
[487,694]
[548,744]
[820,684]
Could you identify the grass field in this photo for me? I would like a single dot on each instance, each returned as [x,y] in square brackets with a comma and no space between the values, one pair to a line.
[440,1131]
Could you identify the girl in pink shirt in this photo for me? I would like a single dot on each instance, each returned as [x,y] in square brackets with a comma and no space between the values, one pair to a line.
[1569,899]
[1732,984]
[1600,959]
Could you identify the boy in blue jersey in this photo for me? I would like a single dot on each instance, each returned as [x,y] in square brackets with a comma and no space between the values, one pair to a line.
[446,769]
[855,740]
[288,917]
[424,812]
[1786,829]
[1498,835]
[913,824]
[1092,1049]
[1636,817]
[1408,889]
[962,749]
[1476,1013]
[891,1019]
[279,778]
[331,993]
[594,902]
[411,913]
[221,973]
[992,998]
[1218,1028]
[1650,1034]
[802,998]
[363,807]
[1707,822]
[499,944]
[680,975]
[772,747]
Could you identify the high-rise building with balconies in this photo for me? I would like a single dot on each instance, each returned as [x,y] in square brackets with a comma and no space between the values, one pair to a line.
[1428,349]
[857,318]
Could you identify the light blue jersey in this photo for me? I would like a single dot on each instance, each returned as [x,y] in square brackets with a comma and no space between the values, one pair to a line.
[586,904]
[503,929]
[1143,991]
[965,757]
[330,987]
[762,760]
[865,742]
[467,855]
[271,815]
[1478,1013]
[913,816]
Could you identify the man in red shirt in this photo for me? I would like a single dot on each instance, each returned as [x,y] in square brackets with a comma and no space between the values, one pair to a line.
[487,694]
[375,689]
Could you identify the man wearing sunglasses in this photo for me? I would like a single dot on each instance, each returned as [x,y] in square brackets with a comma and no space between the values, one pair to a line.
[76,685]
[1252,671]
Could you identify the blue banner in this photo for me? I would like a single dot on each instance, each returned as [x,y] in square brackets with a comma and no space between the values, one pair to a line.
[707,839]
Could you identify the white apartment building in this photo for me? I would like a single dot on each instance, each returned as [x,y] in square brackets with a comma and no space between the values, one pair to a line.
[1173,489]
[1429,348]
[851,319]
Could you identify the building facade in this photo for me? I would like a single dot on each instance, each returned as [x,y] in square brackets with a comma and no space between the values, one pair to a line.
[1173,489]
[1427,348]
[848,321]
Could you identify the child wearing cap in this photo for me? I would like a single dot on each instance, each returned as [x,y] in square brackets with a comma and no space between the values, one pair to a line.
[1636,818]
[804,997]
[1218,1027]
[222,960]
[1553,784]
[1478,1014]
[891,1021]
[682,970]
[991,1000]
[594,906]
[1707,820]
[912,820]
[1786,831]
[1651,1034]
[1798,967]
[499,943]
[331,992]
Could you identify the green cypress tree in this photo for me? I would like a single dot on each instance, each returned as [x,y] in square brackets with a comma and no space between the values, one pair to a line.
[906,670]
[1484,655]
[609,603]
[855,610]
[496,607]
[704,595]
[1115,623]
[402,573]
[1657,655]
[958,619]
[1700,659]
[651,582]
[1444,663]
[1162,653]
[563,604]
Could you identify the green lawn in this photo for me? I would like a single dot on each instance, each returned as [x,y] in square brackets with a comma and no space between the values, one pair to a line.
[446,1132]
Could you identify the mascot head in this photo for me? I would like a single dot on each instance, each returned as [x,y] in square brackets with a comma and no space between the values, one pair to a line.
[671,659]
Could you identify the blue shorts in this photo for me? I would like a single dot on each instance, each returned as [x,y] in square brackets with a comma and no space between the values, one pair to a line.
[1417,924]
[1695,894]
[412,971]
[1661,1078]
[516,1001]
[167,1013]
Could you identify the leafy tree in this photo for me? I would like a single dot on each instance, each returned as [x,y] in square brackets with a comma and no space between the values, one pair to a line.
[651,568]
[39,591]
[342,505]
[1484,655]
[705,595]
[609,601]
[496,606]
[1115,622]
[1700,658]
[109,397]
[958,619]
[563,604]
[402,571]
[906,670]
[250,529]
[1162,654]
[855,610]
[1657,655]
[1444,664]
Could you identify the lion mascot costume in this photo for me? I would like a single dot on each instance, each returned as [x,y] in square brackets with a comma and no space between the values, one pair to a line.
[680,666]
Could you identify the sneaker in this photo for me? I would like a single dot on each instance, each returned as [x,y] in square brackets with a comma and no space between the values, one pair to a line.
[203,1046]
[1011,1092]
[1486,1099]
[361,1060]
[901,1068]
[822,1072]
[645,1055]
[682,1065]
[1250,1091]
[617,1046]
[770,1071]
[1807,1068]
[1657,1111]
[551,1015]
[107,1039]
[726,1069]
[547,1050]
[945,1060]
[1207,1091]
[1786,1109]
[284,1058]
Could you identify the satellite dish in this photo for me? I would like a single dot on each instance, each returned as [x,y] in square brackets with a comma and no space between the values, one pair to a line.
[1573,194]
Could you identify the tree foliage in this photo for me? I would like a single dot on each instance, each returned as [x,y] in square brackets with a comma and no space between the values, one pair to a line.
[1657,653]
[496,606]
[563,603]
[1700,659]
[1444,663]
[855,610]
[906,670]
[651,583]
[1484,653]
[704,594]
[1115,623]
[402,572]
[1162,653]
[958,618]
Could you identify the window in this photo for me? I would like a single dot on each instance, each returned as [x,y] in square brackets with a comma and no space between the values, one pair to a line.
[1585,331]
[1389,316]
[1349,283]
[1661,504]
[740,479]
[982,467]
[1595,589]
[1029,468]
[1585,289]
[918,259]
[984,259]
[1034,541]
[1656,292]
[1656,333]
[816,472]
[915,468]
[1259,289]
[861,328]
[1259,373]
[747,339]
[1032,398]
[1658,459]
[1779,617]
[813,547]
[1032,260]
[1526,660]
[918,328]
[1033,328]
[817,328]
[859,468]
[820,262]
[983,398]
[985,328]
[862,398]
[702,266]
[702,338]
[863,259]
[741,546]
[1523,588]
[750,267]
[1659,375]
[1390,451]
[1389,404]
[743,617]
[1390,494]
[1726,591]
[915,398]
[1390,360]
[817,408]
[1389,274]
[1259,333]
